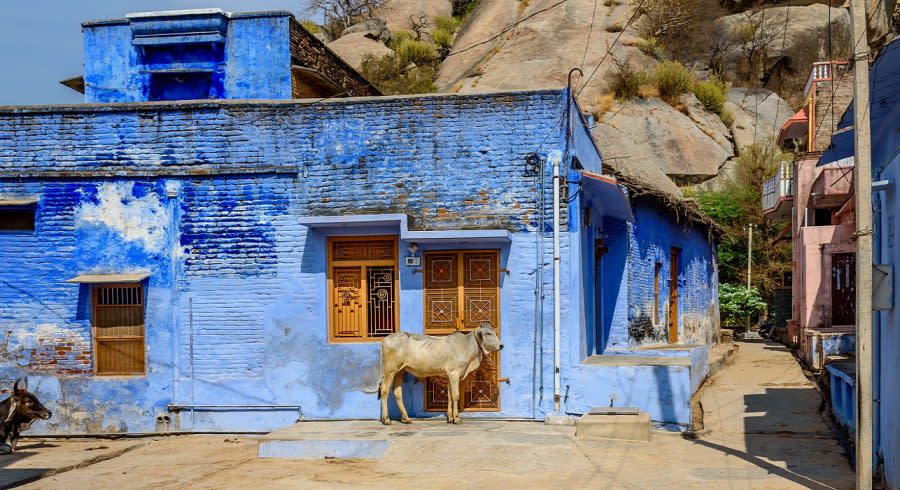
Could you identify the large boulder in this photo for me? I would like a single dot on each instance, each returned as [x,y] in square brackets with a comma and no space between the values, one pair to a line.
[649,130]
[758,115]
[540,51]
[397,13]
[793,36]
[354,47]
[373,29]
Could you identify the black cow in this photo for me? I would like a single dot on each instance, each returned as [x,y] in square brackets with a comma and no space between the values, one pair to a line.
[17,413]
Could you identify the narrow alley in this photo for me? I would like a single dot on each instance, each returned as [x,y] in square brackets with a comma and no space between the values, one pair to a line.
[762,430]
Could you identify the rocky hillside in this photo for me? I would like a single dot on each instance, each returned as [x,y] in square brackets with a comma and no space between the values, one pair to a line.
[761,54]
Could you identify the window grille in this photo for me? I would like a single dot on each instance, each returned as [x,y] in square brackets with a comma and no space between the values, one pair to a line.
[119,329]
[362,288]
[462,291]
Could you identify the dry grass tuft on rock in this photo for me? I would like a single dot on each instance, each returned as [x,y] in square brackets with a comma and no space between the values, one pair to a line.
[711,93]
[625,82]
[672,79]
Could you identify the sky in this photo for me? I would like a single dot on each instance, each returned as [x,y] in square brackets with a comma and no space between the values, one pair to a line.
[40,40]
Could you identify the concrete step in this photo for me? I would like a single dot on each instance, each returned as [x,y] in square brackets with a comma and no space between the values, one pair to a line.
[720,356]
[320,440]
[624,424]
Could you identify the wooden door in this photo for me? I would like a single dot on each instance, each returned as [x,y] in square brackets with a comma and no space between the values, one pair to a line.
[673,295]
[462,291]
[843,289]
[599,333]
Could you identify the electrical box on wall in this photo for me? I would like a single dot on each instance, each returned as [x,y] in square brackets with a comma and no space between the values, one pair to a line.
[413,261]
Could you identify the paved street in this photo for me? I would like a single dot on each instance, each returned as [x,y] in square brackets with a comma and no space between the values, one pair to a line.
[762,430]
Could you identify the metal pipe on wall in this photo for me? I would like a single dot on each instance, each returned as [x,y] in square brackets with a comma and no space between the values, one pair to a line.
[556,294]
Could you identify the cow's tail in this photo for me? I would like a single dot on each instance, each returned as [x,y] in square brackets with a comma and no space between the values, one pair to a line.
[380,370]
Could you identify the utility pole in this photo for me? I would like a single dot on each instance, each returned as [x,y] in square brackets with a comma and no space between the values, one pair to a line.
[863,191]
[749,253]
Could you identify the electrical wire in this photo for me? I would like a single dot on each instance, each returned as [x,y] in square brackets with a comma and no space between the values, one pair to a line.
[637,9]
[590,31]
[835,86]
[507,29]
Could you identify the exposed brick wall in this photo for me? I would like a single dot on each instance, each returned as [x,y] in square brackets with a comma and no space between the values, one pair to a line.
[63,355]
[842,89]
[308,51]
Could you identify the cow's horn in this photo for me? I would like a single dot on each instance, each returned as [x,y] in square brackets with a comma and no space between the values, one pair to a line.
[16,384]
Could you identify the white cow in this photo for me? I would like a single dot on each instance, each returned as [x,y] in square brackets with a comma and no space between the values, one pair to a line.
[452,357]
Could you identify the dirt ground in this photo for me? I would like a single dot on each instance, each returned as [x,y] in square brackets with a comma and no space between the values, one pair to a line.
[762,430]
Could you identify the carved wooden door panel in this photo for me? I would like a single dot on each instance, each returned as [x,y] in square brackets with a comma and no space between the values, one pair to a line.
[462,291]
[348,303]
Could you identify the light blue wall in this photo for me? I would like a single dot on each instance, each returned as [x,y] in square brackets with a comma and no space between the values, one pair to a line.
[236,310]
[234,277]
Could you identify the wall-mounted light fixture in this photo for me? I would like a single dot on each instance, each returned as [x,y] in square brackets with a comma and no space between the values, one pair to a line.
[413,259]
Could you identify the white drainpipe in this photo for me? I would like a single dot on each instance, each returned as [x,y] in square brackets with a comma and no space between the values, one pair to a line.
[556,296]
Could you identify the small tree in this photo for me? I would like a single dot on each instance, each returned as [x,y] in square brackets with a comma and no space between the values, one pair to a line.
[739,306]
[341,14]
[754,35]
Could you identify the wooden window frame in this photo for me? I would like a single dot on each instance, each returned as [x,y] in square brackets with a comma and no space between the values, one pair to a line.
[363,265]
[460,324]
[95,291]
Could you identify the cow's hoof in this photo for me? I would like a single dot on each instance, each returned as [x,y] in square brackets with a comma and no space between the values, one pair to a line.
[6,449]
[457,421]
[406,421]
[386,421]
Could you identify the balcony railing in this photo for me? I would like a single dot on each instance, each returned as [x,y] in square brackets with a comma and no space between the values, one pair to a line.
[778,186]
[821,71]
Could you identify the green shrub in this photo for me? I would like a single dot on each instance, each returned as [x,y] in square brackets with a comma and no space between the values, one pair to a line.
[711,93]
[442,37]
[450,24]
[393,75]
[739,306]
[672,79]
[625,83]
[649,46]
[310,26]
[399,36]
[416,52]
[462,8]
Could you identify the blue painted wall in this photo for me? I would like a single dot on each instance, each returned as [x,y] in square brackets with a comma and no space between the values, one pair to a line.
[207,200]
[242,56]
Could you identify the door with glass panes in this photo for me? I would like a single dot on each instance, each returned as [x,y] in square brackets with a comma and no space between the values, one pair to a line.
[462,291]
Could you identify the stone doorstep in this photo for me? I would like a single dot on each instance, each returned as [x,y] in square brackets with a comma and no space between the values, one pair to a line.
[628,426]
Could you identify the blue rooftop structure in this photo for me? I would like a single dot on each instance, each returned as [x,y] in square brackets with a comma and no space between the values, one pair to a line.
[211,54]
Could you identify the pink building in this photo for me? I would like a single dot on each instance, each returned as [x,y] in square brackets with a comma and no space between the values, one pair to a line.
[816,206]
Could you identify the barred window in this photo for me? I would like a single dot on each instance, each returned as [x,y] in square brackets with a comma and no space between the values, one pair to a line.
[362,288]
[119,329]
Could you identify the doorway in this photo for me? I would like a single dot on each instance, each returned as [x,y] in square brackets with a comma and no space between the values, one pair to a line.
[600,250]
[462,291]
[843,289]
[674,254]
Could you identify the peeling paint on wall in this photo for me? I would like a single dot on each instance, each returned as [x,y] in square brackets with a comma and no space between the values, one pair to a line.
[135,218]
